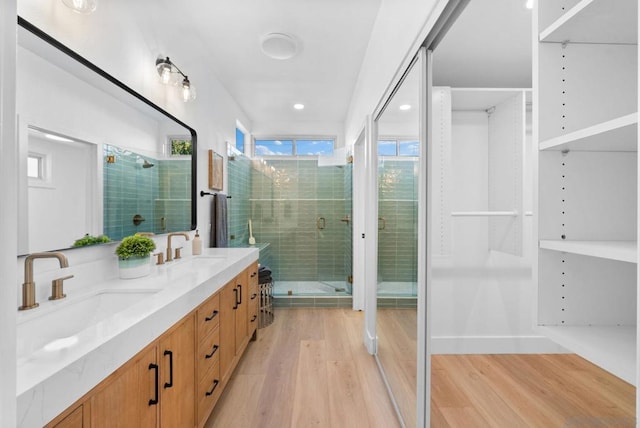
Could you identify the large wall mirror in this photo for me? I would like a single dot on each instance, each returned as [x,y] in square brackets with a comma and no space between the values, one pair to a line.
[96,158]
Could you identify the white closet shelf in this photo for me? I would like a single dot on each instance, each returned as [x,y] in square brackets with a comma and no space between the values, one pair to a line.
[484,214]
[596,21]
[611,347]
[624,251]
[619,134]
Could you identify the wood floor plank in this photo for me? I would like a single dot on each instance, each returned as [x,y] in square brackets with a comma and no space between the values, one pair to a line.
[346,401]
[311,398]
[336,336]
[485,400]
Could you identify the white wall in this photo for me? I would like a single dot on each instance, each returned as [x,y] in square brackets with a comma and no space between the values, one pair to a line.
[399,25]
[482,299]
[8,212]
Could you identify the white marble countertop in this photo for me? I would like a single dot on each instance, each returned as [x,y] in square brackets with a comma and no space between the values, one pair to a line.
[50,380]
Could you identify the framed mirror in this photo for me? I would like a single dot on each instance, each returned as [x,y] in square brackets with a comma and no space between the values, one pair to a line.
[96,157]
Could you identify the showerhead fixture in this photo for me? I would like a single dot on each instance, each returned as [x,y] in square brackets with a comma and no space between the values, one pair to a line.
[147,164]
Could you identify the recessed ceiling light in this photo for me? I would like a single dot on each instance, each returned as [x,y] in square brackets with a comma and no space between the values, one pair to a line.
[279,45]
[405,107]
[298,106]
[529,4]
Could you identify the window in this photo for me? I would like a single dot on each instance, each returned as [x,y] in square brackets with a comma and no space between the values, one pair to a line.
[295,147]
[398,147]
[240,140]
[35,167]
[180,146]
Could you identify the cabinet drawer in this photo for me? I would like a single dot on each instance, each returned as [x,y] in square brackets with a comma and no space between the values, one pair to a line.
[253,275]
[209,390]
[209,315]
[208,352]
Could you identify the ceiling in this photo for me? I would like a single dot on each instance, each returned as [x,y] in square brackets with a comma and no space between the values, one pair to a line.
[488,46]
[333,37]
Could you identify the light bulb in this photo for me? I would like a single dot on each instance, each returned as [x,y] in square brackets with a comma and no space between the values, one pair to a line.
[84,7]
[165,75]
[188,91]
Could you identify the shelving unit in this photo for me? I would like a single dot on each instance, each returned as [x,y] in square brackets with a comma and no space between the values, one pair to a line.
[587,128]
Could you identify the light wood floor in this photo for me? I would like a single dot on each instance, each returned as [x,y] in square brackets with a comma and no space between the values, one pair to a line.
[310,368]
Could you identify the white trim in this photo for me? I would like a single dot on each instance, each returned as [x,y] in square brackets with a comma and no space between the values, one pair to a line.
[494,345]
[359,221]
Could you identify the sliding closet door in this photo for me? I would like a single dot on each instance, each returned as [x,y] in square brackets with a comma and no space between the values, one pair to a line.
[402,274]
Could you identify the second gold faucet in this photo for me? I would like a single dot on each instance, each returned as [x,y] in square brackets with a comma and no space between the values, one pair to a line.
[169,249]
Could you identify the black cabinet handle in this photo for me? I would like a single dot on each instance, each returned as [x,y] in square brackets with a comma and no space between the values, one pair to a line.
[212,316]
[254,318]
[170,383]
[215,385]
[154,401]
[254,295]
[235,291]
[254,274]
[240,293]
[213,351]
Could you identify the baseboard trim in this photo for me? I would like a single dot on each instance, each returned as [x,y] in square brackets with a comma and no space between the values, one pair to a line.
[371,343]
[494,345]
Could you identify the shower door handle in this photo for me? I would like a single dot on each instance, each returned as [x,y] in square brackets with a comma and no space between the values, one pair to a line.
[321,223]
[384,223]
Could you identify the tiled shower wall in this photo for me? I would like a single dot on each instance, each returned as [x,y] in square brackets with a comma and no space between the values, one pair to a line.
[297,207]
[161,194]
[398,222]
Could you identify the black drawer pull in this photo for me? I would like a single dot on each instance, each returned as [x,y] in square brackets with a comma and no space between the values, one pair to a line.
[154,401]
[254,295]
[212,316]
[213,351]
[254,318]
[170,383]
[215,385]
[254,274]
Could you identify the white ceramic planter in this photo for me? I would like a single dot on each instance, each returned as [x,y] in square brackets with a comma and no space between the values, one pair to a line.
[134,267]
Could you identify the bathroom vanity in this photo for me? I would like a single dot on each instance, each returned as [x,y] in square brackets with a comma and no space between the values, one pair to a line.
[154,351]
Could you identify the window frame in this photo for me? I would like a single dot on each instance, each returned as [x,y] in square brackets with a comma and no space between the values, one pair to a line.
[294,139]
[398,139]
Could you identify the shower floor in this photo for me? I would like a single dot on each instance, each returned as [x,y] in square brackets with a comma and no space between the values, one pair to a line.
[311,288]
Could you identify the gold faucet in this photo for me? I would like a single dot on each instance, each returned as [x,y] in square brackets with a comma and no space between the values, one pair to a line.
[169,255]
[29,286]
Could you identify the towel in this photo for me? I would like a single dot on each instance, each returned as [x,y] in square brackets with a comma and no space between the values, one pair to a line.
[219,221]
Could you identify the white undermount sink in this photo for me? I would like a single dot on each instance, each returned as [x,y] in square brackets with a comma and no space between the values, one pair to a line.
[57,325]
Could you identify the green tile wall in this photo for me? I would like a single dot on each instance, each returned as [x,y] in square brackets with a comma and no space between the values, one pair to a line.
[296,206]
[161,194]
[398,206]
[239,176]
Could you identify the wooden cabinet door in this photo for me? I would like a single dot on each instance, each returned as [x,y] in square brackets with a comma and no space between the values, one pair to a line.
[176,353]
[241,311]
[227,327]
[129,398]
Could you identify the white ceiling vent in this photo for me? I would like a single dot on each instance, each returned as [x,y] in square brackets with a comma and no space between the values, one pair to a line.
[279,45]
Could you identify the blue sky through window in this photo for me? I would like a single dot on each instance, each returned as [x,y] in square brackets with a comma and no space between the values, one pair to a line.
[314,147]
[274,147]
[239,140]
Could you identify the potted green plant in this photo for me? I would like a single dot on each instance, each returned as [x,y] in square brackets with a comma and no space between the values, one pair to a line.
[134,256]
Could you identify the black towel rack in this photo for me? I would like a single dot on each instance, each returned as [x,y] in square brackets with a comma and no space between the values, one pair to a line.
[203,193]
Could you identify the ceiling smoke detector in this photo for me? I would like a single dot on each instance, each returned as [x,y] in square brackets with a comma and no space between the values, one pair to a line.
[279,45]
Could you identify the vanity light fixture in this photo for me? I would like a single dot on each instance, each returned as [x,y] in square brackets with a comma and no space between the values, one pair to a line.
[84,7]
[170,74]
